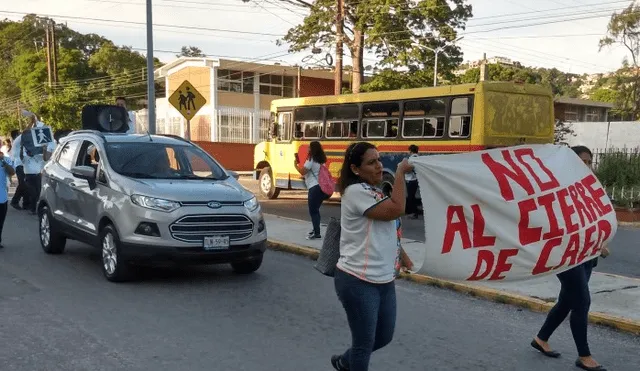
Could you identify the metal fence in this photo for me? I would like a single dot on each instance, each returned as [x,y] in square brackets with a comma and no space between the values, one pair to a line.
[238,125]
[618,169]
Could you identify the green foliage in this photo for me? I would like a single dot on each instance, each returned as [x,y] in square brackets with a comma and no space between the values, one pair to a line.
[395,30]
[90,69]
[191,51]
[619,172]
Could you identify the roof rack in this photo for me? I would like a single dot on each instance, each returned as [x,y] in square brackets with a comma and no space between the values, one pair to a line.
[96,132]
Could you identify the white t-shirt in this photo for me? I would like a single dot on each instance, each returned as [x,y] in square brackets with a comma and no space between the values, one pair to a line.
[369,249]
[411,176]
[15,151]
[313,171]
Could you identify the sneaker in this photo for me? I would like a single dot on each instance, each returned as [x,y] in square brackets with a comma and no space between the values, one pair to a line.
[336,362]
[314,237]
[311,233]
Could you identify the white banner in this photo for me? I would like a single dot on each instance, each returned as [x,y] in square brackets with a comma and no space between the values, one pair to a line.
[511,213]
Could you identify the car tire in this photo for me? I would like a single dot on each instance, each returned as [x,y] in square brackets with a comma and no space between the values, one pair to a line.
[114,266]
[51,240]
[248,266]
[267,184]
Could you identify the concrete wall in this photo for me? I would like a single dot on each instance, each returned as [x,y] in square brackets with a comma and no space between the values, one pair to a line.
[594,134]
[233,156]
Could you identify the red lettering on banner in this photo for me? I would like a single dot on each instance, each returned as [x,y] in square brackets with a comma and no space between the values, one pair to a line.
[544,186]
[527,234]
[455,227]
[589,242]
[589,203]
[604,232]
[582,211]
[541,264]
[567,211]
[485,265]
[571,253]
[501,173]
[479,238]
[554,227]
[597,194]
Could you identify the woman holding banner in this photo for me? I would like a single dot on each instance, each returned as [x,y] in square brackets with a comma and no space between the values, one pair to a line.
[370,254]
[574,298]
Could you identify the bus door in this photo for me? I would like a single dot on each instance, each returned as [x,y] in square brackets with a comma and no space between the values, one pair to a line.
[281,150]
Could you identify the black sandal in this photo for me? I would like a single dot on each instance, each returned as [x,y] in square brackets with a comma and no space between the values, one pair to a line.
[585,367]
[538,347]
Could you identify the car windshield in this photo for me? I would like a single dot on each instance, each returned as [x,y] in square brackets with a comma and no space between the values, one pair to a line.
[152,160]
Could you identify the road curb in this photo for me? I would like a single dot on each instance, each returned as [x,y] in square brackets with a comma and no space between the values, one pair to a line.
[526,302]
[629,224]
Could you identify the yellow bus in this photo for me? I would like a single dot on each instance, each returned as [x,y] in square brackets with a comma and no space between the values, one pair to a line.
[439,120]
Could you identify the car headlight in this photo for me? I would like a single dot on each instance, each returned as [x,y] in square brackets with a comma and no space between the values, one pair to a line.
[251,204]
[155,203]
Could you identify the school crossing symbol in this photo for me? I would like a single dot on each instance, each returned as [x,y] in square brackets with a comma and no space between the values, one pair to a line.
[41,136]
[187,100]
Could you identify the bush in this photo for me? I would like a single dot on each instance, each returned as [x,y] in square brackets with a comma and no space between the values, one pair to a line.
[619,171]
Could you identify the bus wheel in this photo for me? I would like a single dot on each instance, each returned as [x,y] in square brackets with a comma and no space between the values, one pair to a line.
[267,184]
[387,184]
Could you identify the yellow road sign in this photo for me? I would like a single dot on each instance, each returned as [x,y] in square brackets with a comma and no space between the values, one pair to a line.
[187,100]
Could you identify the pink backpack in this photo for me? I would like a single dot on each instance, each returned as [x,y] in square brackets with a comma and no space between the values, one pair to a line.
[325,181]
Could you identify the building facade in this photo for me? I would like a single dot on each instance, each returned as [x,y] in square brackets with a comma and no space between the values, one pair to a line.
[581,110]
[238,95]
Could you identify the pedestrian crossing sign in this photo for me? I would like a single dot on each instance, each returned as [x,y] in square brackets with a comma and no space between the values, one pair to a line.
[41,136]
[187,100]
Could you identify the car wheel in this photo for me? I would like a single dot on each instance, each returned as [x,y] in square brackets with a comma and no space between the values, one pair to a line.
[248,266]
[51,240]
[114,266]
[267,184]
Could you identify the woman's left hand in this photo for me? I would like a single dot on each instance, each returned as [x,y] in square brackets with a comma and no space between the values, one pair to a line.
[605,252]
[405,261]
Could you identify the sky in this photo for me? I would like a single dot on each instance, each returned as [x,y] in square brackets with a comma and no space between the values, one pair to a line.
[546,33]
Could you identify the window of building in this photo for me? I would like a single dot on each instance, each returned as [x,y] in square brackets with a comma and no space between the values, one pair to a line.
[592,114]
[235,81]
[571,113]
[277,85]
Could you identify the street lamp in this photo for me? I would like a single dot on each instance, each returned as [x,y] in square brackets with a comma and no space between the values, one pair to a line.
[437,51]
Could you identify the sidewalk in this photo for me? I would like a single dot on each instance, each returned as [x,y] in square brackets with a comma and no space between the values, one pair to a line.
[614,299]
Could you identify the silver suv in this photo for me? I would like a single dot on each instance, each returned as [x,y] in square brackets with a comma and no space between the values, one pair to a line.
[147,199]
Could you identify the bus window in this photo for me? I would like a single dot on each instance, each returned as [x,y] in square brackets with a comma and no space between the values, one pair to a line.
[312,130]
[342,129]
[460,119]
[383,122]
[424,118]
[374,129]
[284,126]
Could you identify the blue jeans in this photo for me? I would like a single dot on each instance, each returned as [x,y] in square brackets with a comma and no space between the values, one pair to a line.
[371,313]
[574,298]
[315,199]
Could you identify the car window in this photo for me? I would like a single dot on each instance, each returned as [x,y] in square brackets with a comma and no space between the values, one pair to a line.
[67,156]
[153,160]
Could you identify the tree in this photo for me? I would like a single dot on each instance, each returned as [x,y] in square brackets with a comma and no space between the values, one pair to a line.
[624,29]
[397,31]
[191,51]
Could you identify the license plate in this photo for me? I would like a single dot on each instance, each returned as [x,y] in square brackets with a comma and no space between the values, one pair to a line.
[216,243]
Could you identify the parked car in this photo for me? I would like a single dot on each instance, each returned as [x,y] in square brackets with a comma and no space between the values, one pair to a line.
[146,199]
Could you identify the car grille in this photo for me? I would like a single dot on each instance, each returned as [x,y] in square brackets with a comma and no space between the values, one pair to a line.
[194,228]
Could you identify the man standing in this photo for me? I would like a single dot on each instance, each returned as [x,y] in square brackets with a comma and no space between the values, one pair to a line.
[6,171]
[122,102]
[411,180]
[21,192]
[33,164]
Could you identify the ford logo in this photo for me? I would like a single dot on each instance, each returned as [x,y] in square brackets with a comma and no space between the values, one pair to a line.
[214,205]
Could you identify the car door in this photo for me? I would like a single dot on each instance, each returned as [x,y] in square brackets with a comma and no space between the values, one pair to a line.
[60,180]
[89,200]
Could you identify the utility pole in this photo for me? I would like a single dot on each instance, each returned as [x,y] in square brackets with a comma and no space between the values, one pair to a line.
[337,90]
[54,50]
[151,89]
[48,42]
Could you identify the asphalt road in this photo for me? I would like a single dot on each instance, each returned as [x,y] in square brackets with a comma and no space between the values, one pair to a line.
[58,313]
[624,259]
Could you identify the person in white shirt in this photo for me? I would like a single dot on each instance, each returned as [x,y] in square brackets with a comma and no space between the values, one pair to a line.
[21,193]
[411,179]
[33,164]
[122,102]
[6,170]
[316,158]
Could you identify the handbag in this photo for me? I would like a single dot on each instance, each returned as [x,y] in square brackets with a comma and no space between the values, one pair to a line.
[330,251]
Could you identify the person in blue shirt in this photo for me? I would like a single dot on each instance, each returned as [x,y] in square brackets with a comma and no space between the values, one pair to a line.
[6,170]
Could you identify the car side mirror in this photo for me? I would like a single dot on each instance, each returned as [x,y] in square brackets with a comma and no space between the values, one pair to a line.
[235,175]
[87,173]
